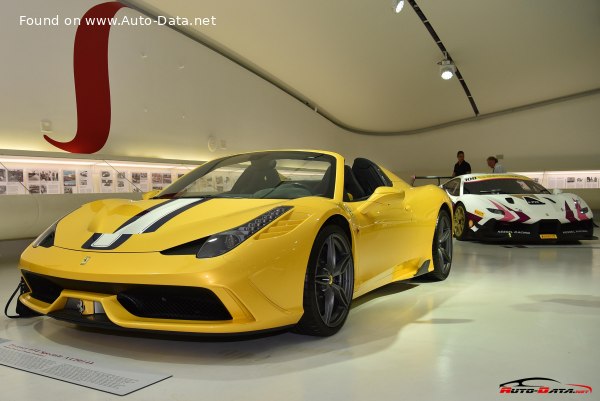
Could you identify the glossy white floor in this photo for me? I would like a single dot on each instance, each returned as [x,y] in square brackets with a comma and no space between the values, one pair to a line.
[504,314]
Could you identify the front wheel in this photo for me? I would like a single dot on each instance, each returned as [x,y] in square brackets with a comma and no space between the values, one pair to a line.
[328,285]
[442,247]
[460,222]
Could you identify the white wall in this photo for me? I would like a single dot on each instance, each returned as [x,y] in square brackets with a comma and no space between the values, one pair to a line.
[559,136]
[170,93]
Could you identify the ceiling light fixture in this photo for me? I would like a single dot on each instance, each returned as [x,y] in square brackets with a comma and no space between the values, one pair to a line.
[398,5]
[447,68]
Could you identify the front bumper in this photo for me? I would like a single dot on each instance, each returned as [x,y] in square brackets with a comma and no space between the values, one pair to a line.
[233,293]
[541,231]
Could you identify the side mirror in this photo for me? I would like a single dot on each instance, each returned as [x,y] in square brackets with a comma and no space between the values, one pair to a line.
[387,192]
[151,194]
[556,191]
[382,196]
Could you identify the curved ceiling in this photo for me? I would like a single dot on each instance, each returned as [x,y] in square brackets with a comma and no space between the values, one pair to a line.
[371,70]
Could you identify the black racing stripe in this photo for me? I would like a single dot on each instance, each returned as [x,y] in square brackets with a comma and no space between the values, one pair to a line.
[116,244]
[159,223]
[89,242]
[155,226]
[95,236]
[143,213]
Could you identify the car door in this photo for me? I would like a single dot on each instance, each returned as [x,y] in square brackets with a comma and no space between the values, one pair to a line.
[382,223]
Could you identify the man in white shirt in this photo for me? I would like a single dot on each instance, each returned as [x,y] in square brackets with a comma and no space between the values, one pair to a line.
[494,165]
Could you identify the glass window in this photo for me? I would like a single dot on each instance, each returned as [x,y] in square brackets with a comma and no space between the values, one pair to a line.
[269,175]
[452,187]
[504,186]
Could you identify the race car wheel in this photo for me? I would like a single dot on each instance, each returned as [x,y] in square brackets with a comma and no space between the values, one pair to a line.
[328,285]
[442,247]
[460,222]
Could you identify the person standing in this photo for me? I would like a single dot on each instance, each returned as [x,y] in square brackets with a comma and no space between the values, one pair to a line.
[496,167]
[461,167]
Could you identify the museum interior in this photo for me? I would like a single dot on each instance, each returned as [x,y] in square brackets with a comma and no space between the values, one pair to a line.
[316,200]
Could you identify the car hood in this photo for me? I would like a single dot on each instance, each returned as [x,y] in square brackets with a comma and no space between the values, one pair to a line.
[564,207]
[155,224]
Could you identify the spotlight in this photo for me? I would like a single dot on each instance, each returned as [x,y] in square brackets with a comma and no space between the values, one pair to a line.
[398,5]
[447,68]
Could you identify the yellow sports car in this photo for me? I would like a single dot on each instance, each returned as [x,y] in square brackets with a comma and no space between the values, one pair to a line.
[244,243]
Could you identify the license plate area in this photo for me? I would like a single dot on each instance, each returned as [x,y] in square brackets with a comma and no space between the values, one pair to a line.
[84,306]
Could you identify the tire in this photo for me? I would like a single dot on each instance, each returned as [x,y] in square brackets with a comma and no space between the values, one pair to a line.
[461,228]
[328,285]
[441,247]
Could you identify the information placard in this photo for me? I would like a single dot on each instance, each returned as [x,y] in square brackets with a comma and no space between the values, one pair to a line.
[61,365]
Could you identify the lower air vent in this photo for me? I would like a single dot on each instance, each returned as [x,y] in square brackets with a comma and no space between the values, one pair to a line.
[587,225]
[549,226]
[170,302]
[533,201]
[42,288]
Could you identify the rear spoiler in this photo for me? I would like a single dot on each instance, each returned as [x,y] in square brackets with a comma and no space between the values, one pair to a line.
[439,178]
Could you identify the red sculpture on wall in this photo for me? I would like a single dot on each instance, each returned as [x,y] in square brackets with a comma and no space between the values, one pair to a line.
[92,87]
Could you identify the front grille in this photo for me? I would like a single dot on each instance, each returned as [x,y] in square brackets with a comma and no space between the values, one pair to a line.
[47,288]
[165,302]
[151,301]
[548,226]
[502,226]
[42,288]
[578,225]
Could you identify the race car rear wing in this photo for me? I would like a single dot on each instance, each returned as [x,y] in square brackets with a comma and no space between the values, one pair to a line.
[439,178]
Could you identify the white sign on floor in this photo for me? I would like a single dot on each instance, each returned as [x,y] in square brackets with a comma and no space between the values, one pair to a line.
[71,369]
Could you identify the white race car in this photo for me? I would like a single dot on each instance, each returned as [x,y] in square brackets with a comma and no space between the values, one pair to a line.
[515,207]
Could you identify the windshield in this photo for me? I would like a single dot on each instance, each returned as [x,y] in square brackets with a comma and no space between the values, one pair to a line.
[267,175]
[504,186]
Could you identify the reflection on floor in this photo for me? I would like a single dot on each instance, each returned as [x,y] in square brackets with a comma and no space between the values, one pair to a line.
[505,313]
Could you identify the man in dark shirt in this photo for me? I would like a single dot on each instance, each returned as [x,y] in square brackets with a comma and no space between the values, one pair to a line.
[461,167]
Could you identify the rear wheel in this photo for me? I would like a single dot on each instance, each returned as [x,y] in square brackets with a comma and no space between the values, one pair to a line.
[328,285]
[460,222]
[442,247]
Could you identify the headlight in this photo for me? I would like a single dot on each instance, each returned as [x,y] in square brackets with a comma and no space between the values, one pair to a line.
[495,211]
[225,241]
[46,239]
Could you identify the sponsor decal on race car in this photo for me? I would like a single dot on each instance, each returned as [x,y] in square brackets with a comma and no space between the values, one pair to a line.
[491,176]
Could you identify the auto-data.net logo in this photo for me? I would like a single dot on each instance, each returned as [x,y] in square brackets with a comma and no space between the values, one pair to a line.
[542,385]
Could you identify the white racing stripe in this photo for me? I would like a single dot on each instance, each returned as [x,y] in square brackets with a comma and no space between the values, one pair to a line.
[143,223]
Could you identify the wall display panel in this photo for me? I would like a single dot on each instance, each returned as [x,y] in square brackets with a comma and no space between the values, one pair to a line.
[11,181]
[584,179]
[37,175]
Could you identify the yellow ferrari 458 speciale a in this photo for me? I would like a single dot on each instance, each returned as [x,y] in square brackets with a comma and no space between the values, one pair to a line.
[244,243]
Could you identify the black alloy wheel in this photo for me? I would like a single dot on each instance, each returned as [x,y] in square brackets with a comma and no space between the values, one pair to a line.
[329,284]
[442,247]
